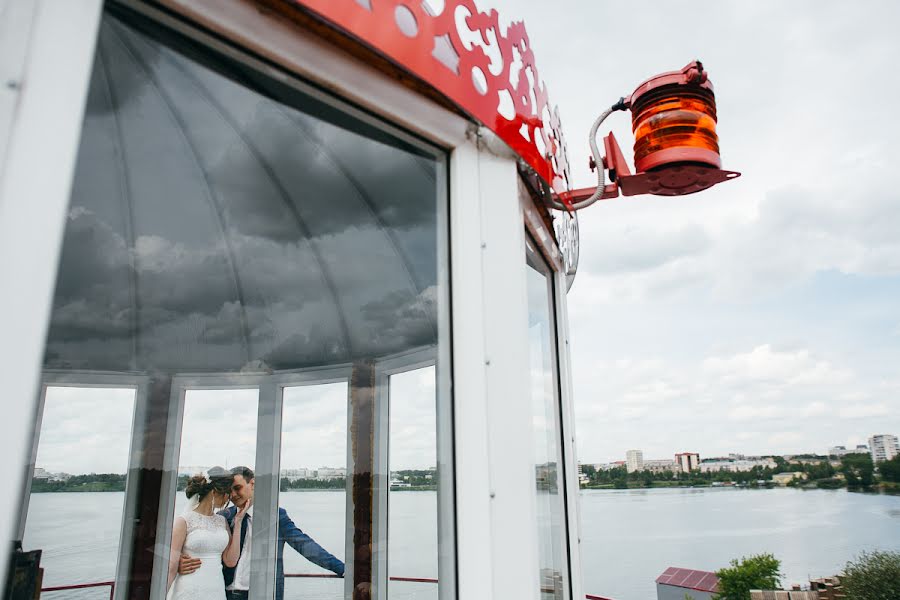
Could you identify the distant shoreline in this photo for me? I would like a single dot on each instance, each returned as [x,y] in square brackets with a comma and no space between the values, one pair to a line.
[886,490]
[84,490]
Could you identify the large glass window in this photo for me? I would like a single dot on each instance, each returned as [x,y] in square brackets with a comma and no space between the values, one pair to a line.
[264,260]
[545,411]
[413,562]
[313,486]
[77,492]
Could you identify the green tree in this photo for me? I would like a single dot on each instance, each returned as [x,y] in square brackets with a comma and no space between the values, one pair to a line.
[873,576]
[759,572]
[890,469]
[858,469]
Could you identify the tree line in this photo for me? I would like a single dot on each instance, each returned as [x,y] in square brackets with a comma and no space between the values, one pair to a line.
[854,471]
[94,482]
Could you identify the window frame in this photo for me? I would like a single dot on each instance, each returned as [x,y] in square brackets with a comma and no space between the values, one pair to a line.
[104,380]
[271,387]
[535,254]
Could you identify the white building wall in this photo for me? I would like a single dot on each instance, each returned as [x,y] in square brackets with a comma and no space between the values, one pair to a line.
[634,461]
[883,447]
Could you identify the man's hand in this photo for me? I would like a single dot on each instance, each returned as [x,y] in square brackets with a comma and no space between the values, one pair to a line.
[188,564]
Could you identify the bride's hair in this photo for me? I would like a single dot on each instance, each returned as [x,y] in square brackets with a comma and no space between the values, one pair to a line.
[200,486]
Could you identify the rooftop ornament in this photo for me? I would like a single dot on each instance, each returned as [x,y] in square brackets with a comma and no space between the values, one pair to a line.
[490,75]
[487,73]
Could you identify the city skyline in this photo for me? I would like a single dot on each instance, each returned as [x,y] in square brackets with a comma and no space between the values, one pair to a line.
[645,456]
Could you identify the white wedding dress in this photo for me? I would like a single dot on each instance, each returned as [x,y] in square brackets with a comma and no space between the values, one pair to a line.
[207,537]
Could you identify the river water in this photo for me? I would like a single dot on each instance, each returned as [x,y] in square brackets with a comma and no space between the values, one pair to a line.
[629,537]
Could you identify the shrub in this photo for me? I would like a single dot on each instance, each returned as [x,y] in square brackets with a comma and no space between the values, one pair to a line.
[858,469]
[890,469]
[832,483]
[873,576]
[760,572]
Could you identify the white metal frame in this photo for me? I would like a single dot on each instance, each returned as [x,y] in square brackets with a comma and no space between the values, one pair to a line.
[570,456]
[91,379]
[384,369]
[42,97]
[166,512]
[544,240]
[267,469]
[495,557]
[278,383]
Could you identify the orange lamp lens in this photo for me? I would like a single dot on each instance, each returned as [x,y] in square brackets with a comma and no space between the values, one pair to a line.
[675,125]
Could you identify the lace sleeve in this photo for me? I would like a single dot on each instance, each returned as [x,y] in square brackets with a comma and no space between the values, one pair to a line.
[188,521]
[222,522]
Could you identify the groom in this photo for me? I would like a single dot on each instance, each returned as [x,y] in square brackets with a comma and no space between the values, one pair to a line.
[237,579]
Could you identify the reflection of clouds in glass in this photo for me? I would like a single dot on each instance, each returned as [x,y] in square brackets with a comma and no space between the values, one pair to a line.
[541,356]
[86,430]
[229,257]
[219,428]
[314,426]
[413,421]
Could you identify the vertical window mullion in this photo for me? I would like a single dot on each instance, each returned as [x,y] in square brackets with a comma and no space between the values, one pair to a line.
[265,514]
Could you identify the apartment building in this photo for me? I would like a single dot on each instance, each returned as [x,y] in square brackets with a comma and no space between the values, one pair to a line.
[883,447]
[634,461]
[687,461]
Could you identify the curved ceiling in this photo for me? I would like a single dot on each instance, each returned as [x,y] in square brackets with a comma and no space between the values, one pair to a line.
[213,227]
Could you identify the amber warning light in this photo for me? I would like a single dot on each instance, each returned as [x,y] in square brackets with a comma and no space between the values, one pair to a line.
[676,149]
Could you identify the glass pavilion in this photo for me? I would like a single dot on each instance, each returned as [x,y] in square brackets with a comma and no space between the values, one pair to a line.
[276,223]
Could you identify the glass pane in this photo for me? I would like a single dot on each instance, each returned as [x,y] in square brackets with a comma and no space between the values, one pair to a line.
[412,506]
[545,417]
[78,487]
[227,226]
[218,430]
[314,489]
[218,438]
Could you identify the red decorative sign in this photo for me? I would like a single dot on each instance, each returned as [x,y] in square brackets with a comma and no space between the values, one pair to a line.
[463,54]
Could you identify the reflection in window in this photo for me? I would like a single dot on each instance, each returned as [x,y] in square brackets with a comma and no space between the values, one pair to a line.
[78,486]
[412,505]
[553,560]
[229,227]
[218,430]
[313,485]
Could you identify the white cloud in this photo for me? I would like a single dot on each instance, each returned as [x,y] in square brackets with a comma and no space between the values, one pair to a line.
[764,365]
[730,402]
[86,430]
[641,248]
[786,439]
[749,412]
[815,409]
[860,411]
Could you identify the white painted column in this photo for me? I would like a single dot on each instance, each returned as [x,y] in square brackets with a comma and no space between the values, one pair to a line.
[46,53]
[497,537]
[568,441]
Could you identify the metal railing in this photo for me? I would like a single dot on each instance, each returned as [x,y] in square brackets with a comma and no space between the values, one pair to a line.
[333,576]
[81,586]
[410,580]
[112,584]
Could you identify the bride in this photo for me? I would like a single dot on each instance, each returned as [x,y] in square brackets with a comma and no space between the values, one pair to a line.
[204,534]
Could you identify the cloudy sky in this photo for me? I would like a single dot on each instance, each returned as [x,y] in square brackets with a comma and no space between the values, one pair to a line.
[89,430]
[759,316]
[762,315]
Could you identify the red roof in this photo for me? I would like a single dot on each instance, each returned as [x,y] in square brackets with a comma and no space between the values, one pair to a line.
[702,581]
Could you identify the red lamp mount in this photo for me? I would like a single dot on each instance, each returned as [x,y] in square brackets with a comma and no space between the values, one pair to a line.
[676,149]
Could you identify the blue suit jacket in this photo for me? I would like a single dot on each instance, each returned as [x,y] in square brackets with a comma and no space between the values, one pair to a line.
[288,533]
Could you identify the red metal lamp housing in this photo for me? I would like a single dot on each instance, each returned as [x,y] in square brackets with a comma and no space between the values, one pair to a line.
[676,149]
